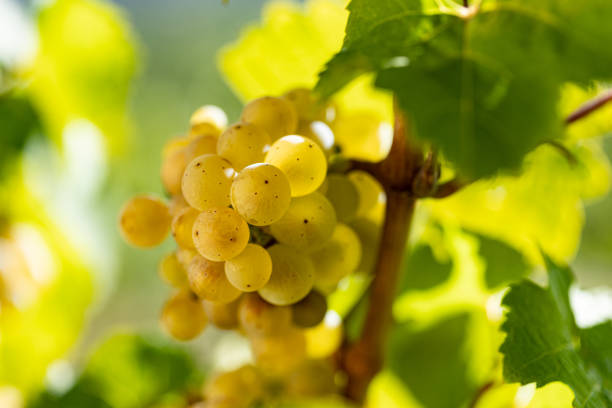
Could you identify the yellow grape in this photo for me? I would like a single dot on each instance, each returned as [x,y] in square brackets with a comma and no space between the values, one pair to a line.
[309,311]
[312,378]
[363,135]
[276,116]
[185,256]
[206,182]
[243,144]
[242,387]
[172,272]
[343,195]
[207,279]
[206,144]
[324,339]
[369,190]
[260,318]
[306,105]
[261,194]
[369,236]
[172,168]
[280,354]
[220,233]
[207,119]
[144,221]
[320,132]
[337,258]
[302,161]
[292,276]
[174,145]
[308,223]
[176,204]
[183,316]
[222,315]
[182,226]
[250,270]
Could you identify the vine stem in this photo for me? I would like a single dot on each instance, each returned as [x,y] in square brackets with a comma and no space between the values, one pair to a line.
[364,358]
[589,107]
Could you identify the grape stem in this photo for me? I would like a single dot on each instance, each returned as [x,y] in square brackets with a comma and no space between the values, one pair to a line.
[364,358]
[589,107]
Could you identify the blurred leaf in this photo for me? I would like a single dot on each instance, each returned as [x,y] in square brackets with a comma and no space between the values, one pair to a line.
[596,348]
[471,62]
[422,270]
[133,371]
[504,264]
[541,208]
[85,393]
[18,121]
[542,346]
[315,403]
[84,69]
[433,359]
[595,124]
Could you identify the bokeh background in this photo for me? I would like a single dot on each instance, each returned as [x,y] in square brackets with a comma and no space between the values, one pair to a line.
[90,92]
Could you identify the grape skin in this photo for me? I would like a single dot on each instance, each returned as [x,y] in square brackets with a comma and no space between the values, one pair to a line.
[339,257]
[276,116]
[222,315]
[309,311]
[172,272]
[144,221]
[292,276]
[183,316]
[261,194]
[243,144]
[207,280]
[250,270]
[208,118]
[369,190]
[172,168]
[343,195]
[241,387]
[220,234]
[308,223]
[306,105]
[182,227]
[302,161]
[260,318]
[206,182]
[200,145]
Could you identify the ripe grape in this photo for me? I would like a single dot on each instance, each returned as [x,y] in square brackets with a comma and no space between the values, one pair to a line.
[176,204]
[220,233]
[144,221]
[172,168]
[292,276]
[206,182]
[183,316]
[206,119]
[243,144]
[172,272]
[309,311]
[174,145]
[205,144]
[307,224]
[222,315]
[250,270]
[261,194]
[369,236]
[320,132]
[241,386]
[312,378]
[207,279]
[280,354]
[185,256]
[337,258]
[369,190]
[302,161]
[182,226]
[276,116]
[343,195]
[260,318]
[306,105]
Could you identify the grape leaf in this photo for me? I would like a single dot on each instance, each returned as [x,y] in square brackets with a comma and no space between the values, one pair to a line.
[18,121]
[544,345]
[504,264]
[433,359]
[422,270]
[481,83]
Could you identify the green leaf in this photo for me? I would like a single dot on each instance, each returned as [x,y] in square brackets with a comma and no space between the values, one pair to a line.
[504,264]
[542,343]
[18,121]
[597,349]
[432,360]
[482,83]
[422,270]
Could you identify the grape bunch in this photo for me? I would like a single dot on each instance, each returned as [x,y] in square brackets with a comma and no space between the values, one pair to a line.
[264,232]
